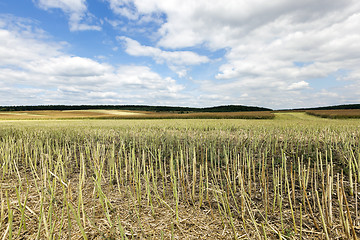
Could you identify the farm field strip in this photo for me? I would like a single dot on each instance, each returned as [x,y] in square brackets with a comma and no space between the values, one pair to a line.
[65,114]
[353,113]
[114,112]
[124,114]
[292,177]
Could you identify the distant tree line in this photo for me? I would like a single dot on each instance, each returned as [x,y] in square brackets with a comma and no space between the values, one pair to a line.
[227,108]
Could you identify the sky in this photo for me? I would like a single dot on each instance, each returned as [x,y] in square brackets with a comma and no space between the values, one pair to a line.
[276,54]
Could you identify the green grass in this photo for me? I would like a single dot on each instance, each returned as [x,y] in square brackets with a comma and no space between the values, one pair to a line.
[282,178]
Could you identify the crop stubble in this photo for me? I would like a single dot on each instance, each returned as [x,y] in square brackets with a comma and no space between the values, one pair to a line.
[180,179]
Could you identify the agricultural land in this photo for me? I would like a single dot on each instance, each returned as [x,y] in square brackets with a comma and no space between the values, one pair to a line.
[113,174]
[126,114]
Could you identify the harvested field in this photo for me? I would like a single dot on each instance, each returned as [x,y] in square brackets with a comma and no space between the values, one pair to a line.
[67,114]
[123,114]
[292,177]
[348,113]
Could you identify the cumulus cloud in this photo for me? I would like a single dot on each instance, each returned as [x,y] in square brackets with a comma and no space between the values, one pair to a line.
[298,85]
[21,41]
[134,48]
[142,77]
[68,66]
[176,60]
[79,17]
[37,71]
[271,53]
[143,12]
[271,46]
[220,23]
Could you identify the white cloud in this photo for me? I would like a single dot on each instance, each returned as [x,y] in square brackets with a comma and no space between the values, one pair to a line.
[125,8]
[141,77]
[177,60]
[114,23]
[21,42]
[68,6]
[134,48]
[142,11]
[79,17]
[69,66]
[37,71]
[277,53]
[273,48]
[298,85]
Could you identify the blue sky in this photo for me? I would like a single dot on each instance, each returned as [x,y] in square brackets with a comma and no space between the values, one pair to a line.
[277,54]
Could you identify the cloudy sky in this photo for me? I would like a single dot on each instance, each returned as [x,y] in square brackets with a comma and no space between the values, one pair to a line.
[277,54]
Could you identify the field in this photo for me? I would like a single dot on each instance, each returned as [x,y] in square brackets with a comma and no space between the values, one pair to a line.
[70,114]
[346,113]
[292,177]
[124,114]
